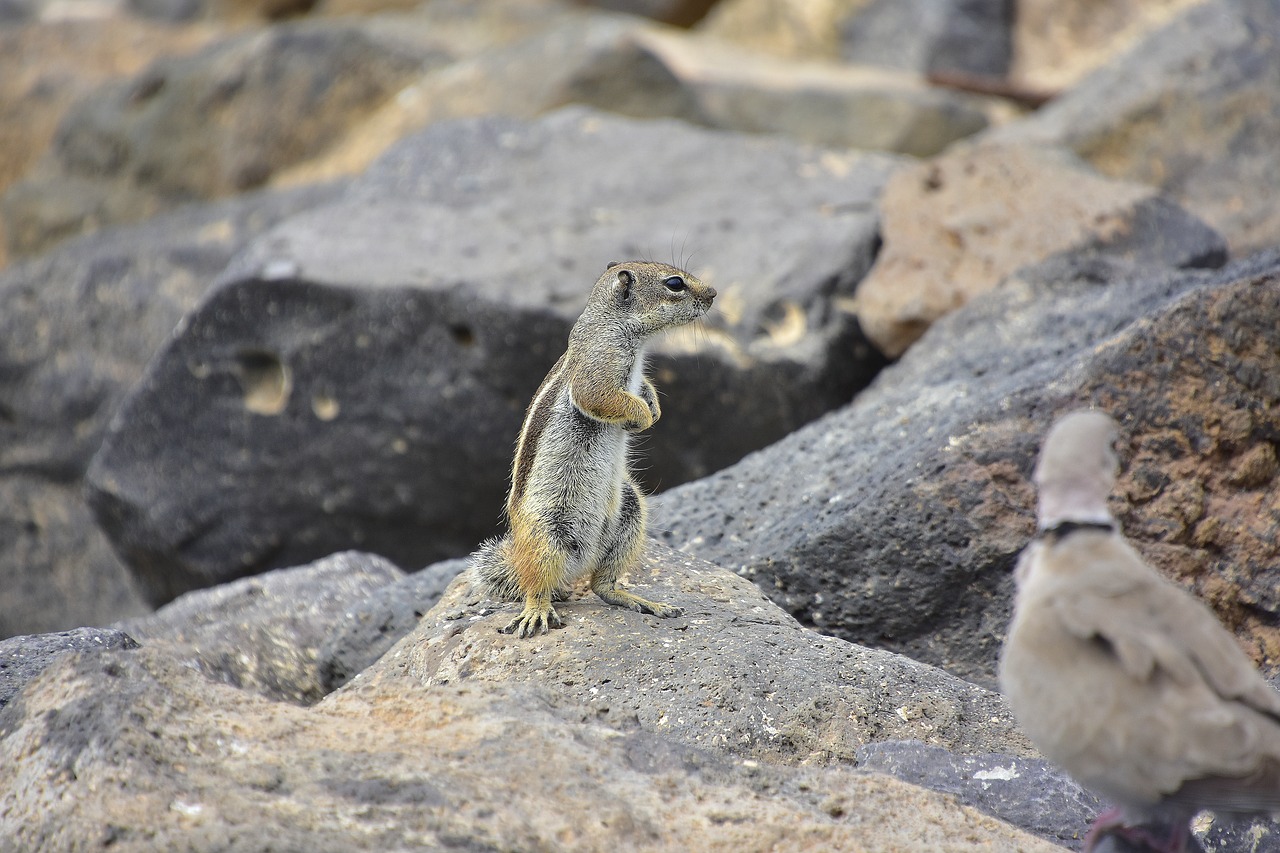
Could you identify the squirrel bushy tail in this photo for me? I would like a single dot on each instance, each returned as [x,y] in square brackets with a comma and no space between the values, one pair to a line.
[490,573]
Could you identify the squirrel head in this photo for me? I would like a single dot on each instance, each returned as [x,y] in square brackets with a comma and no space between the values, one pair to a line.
[650,297]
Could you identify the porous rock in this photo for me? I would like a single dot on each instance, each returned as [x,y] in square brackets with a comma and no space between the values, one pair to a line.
[900,516]
[370,627]
[1025,791]
[77,327]
[23,658]
[265,633]
[1193,109]
[357,379]
[145,754]
[957,225]
[734,674]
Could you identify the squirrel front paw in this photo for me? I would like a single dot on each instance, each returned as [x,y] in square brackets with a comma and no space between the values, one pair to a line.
[534,620]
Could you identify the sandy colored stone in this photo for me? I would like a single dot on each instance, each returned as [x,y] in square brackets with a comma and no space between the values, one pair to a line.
[955,226]
[786,28]
[1057,43]
[734,674]
[139,752]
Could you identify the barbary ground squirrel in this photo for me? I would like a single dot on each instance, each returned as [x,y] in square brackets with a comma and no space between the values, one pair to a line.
[573,508]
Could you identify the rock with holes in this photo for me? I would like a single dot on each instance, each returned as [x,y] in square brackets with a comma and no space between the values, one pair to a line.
[166,759]
[370,627]
[266,633]
[957,225]
[359,377]
[734,674]
[77,328]
[896,520]
[24,658]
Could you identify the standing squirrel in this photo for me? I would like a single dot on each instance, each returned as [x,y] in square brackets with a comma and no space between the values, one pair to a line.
[573,508]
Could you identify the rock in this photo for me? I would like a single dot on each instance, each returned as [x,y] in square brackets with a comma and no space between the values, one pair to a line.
[1056,43]
[632,68]
[23,658]
[146,754]
[46,67]
[898,518]
[957,225]
[1194,110]
[264,633]
[734,675]
[1029,793]
[371,627]
[966,36]
[712,83]
[242,108]
[365,391]
[77,328]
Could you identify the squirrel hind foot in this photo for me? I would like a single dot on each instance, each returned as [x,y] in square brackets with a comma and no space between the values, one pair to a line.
[623,598]
[532,621]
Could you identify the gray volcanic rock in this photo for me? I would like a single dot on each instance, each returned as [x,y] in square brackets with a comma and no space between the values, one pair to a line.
[1027,792]
[358,378]
[734,674]
[23,658]
[265,633]
[139,752]
[1194,109]
[896,520]
[371,627]
[77,327]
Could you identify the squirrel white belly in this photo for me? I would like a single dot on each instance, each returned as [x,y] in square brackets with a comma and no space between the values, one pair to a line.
[573,508]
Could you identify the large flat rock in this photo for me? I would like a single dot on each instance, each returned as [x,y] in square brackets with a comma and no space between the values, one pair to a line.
[358,377]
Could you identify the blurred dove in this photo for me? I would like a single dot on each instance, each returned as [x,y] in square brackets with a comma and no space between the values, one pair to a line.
[1120,677]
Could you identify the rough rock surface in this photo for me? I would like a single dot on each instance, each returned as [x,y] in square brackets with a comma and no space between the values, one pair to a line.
[1194,110]
[23,658]
[734,674]
[77,327]
[242,108]
[1027,792]
[370,627]
[264,634]
[900,516]
[365,392]
[137,751]
[955,226]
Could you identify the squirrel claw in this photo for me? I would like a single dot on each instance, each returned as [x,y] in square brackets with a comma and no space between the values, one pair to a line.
[531,623]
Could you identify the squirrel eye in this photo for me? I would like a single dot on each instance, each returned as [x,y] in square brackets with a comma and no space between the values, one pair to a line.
[675,284]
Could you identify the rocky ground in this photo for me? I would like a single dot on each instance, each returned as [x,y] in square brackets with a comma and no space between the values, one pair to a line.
[278,279]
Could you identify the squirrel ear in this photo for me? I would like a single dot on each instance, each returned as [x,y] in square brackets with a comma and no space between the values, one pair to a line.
[611,264]
[622,282]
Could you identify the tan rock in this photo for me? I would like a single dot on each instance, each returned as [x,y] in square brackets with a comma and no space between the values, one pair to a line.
[46,67]
[792,29]
[735,674]
[955,226]
[1056,43]
[139,752]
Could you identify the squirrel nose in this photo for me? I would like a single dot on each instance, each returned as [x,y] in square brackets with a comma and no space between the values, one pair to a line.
[711,293]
